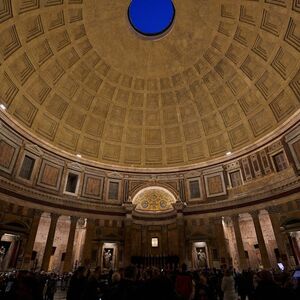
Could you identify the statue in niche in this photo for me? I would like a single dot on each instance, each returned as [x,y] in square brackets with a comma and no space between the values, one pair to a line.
[108,258]
[201,261]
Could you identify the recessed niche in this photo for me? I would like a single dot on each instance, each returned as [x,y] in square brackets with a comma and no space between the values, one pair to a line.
[113,190]
[27,167]
[72,183]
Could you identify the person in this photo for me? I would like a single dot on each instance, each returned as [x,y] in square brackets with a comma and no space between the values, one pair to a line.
[92,290]
[51,287]
[227,286]
[77,285]
[243,285]
[183,283]
[127,288]
[266,287]
[115,281]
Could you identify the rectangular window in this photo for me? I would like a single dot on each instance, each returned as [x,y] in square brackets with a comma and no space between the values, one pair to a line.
[194,189]
[27,167]
[235,178]
[280,161]
[154,242]
[113,191]
[72,183]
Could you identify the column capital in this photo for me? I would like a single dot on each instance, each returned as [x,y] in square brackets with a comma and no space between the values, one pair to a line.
[254,213]
[74,219]
[235,217]
[54,216]
[37,213]
[217,220]
[273,209]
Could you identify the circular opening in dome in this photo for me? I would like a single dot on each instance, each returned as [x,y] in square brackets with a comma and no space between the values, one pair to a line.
[151,18]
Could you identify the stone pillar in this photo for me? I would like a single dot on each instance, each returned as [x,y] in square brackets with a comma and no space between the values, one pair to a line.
[144,239]
[239,243]
[31,239]
[221,241]
[164,232]
[279,237]
[260,240]
[87,247]
[181,240]
[295,247]
[69,250]
[49,242]
[127,234]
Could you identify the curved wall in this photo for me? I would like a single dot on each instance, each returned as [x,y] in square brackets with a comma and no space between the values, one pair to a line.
[268,173]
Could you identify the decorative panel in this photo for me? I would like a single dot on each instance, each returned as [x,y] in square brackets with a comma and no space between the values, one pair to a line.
[246,169]
[50,175]
[265,162]
[8,154]
[255,165]
[214,183]
[293,140]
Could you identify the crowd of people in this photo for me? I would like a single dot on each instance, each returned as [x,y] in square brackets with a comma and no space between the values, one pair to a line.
[28,285]
[138,283]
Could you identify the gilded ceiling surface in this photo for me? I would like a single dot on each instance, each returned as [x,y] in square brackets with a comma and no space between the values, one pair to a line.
[75,74]
[154,199]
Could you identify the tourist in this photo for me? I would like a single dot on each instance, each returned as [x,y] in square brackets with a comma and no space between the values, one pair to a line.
[77,285]
[183,284]
[92,288]
[266,287]
[228,286]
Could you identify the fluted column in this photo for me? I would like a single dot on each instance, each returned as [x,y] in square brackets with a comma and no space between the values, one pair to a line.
[295,247]
[144,240]
[69,250]
[221,241]
[181,239]
[31,239]
[49,242]
[260,239]
[279,237]
[239,242]
[165,247]
[87,247]
[128,241]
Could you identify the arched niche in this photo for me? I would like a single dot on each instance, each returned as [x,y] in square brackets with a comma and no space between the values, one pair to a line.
[154,199]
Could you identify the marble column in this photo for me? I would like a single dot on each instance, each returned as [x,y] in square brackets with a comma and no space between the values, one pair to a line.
[260,240]
[49,242]
[221,241]
[70,243]
[239,243]
[31,239]
[295,247]
[181,239]
[144,239]
[128,241]
[279,237]
[164,242]
[87,247]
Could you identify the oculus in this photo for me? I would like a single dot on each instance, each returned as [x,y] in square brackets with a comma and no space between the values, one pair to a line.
[151,18]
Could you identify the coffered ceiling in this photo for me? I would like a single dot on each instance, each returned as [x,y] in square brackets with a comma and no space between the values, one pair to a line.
[77,76]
